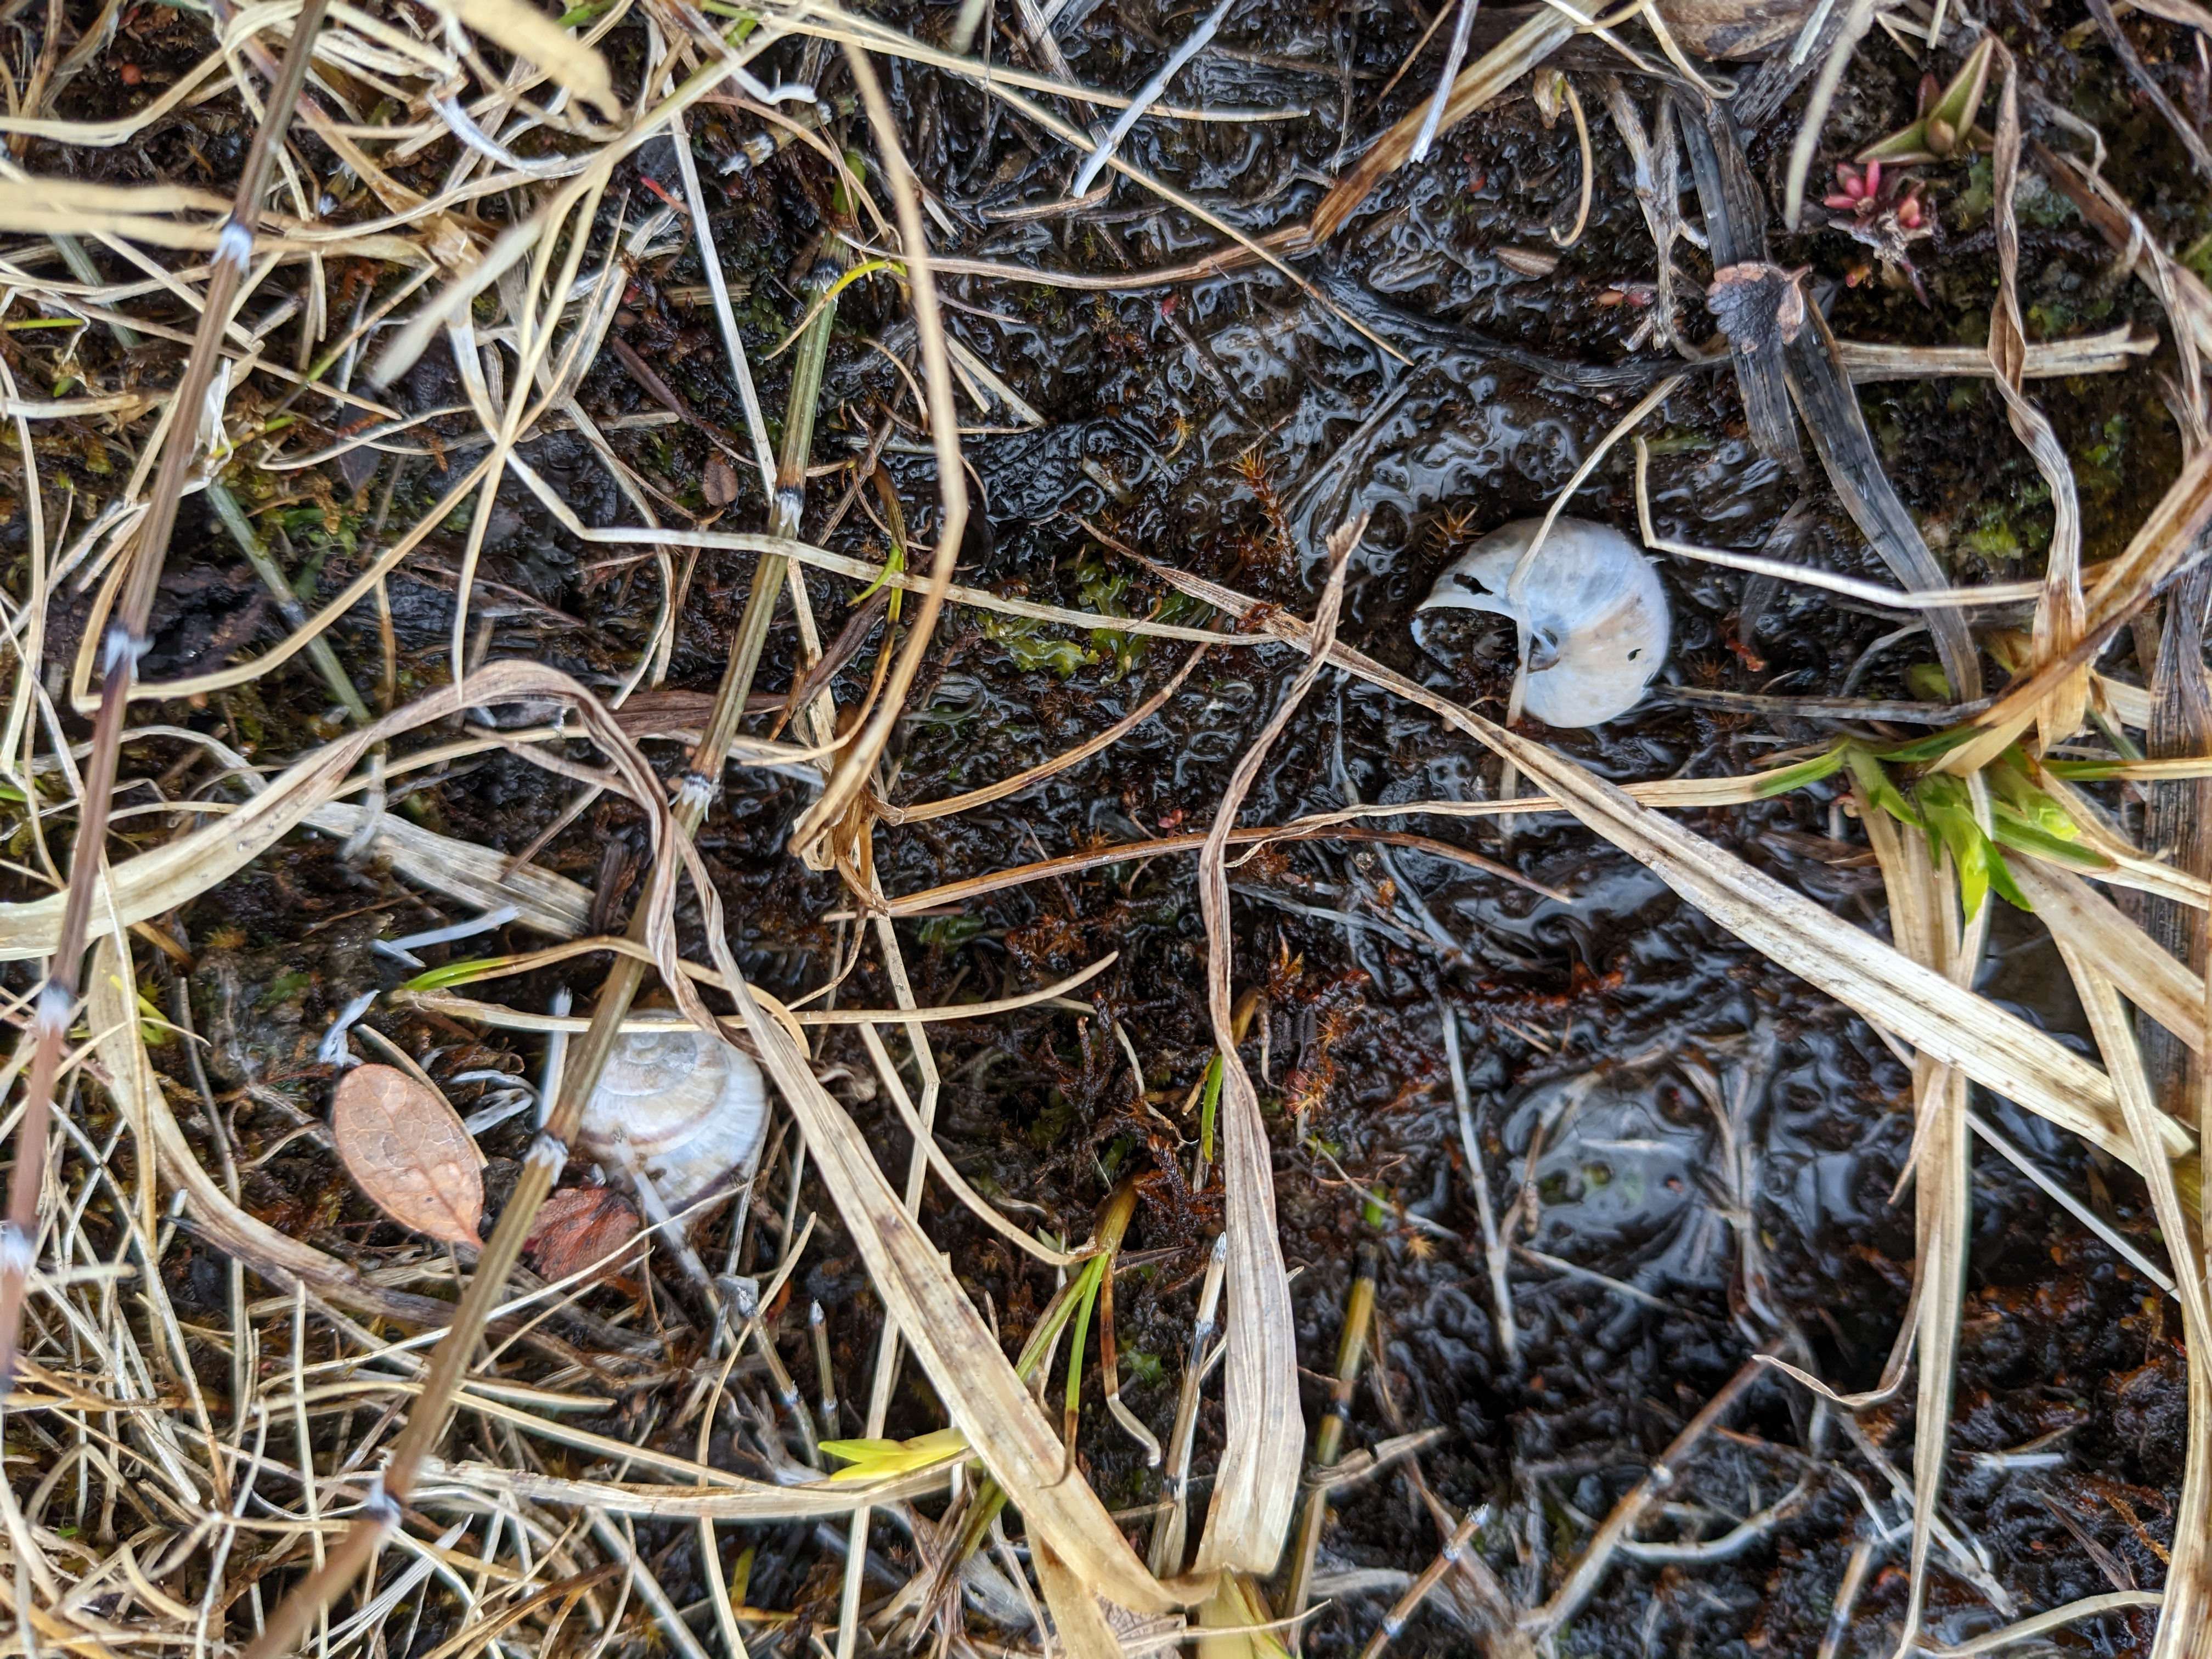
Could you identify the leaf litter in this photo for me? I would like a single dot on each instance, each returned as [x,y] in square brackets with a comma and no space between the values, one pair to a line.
[406,1150]
[498,414]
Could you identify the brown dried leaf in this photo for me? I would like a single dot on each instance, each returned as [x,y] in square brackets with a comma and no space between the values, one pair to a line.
[718,482]
[1759,305]
[578,1226]
[406,1150]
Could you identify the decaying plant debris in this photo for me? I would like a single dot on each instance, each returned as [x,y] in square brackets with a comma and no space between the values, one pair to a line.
[889,539]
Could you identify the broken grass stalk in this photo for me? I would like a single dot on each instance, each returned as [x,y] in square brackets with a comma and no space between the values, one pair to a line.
[1089,1287]
[1328,1438]
[826,1379]
[1478,1175]
[1166,1556]
[1417,1591]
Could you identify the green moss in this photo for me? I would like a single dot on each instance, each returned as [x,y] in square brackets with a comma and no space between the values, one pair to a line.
[1053,1124]
[285,986]
[2097,464]
[2051,318]
[1680,441]
[2198,256]
[1971,206]
[1035,645]
[948,933]
[1025,640]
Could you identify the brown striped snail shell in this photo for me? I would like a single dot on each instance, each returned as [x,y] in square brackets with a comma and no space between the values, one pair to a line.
[688,1109]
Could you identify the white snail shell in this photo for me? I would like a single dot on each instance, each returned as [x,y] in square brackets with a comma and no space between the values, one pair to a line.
[689,1108]
[1590,610]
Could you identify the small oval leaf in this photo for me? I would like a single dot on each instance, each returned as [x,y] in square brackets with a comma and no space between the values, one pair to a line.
[406,1150]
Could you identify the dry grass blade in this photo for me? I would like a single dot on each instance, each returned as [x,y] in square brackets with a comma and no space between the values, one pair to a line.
[1858,19]
[2186,1607]
[830,24]
[178,870]
[519,1020]
[1925,923]
[2107,353]
[1326,828]
[536,237]
[860,32]
[529,34]
[1077,1618]
[2181,291]
[731,1499]
[222,679]
[1188,48]
[1896,599]
[477,876]
[856,762]
[1589,1566]
[2149,88]
[1256,1485]
[922,811]
[2190,1571]
[2042,1624]
[2059,613]
[2158,986]
[1838,429]
[818,558]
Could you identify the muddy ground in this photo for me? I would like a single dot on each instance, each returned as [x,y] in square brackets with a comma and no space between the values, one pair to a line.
[1720,1143]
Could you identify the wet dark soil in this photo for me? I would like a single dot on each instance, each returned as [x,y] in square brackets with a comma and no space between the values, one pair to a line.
[1706,1151]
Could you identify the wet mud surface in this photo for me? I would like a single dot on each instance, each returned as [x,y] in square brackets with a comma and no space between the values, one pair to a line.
[1704,1150]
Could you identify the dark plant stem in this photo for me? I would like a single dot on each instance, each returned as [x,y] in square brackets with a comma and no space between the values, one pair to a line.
[125,644]
[1328,1438]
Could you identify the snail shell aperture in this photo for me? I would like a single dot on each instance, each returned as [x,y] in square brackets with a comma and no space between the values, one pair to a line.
[690,1108]
[1590,608]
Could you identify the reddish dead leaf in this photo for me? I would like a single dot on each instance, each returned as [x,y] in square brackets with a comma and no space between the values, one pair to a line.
[406,1150]
[718,482]
[578,1226]
[1760,304]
